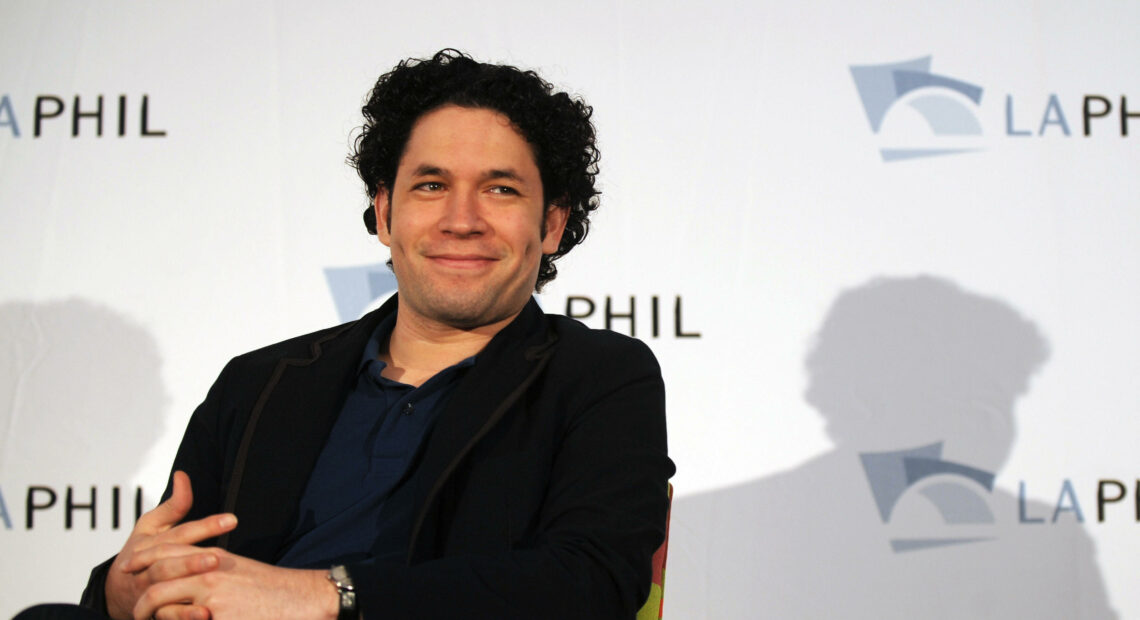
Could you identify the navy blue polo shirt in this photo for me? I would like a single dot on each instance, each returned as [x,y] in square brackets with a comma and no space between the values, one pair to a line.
[373,447]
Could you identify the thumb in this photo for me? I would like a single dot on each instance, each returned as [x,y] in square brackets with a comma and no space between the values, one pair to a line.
[170,512]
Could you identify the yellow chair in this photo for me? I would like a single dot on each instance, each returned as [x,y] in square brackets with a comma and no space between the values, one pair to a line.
[653,607]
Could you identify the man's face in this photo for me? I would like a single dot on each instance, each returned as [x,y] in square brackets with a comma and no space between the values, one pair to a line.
[466,219]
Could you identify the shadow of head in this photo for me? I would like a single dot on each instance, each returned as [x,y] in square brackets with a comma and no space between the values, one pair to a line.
[80,390]
[901,362]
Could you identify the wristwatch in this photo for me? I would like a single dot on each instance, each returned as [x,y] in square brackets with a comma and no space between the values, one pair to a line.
[339,577]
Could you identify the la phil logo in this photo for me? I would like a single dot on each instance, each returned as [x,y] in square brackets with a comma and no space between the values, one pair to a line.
[892,474]
[960,495]
[937,98]
[119,115]
[79,505]
[360,288]
[658,318]
[949,108]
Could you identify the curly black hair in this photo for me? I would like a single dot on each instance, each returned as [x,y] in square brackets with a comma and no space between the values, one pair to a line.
[556,125]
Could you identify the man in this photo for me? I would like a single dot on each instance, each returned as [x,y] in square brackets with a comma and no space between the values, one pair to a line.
[456,453]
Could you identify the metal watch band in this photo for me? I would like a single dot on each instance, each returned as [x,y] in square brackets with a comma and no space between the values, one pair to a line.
[339,577]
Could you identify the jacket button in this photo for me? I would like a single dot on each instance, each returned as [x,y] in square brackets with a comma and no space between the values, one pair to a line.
[409,408]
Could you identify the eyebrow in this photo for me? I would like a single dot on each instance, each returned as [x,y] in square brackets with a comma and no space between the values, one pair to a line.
[426,170]
[503,174]
[494,173]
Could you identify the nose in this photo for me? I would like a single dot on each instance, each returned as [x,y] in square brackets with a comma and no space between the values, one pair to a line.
[462,214]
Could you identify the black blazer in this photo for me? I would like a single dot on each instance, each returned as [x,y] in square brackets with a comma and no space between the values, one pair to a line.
[541,492]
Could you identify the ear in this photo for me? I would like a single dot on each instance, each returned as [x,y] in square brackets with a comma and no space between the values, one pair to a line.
[552,226]
[382,206]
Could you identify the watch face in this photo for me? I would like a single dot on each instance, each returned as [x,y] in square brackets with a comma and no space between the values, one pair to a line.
[339,575]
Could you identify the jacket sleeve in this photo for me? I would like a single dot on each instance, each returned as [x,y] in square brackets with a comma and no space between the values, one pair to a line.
[601,519]
[198,456]
[94,597]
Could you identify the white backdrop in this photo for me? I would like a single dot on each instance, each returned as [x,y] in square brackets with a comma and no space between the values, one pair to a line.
[743,175]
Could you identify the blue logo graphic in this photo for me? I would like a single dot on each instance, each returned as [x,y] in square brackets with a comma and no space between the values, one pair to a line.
[937,98]
[892,474]
[355,289]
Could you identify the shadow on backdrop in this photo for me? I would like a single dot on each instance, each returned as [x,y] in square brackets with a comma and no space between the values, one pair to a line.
[81,394]
[917,381]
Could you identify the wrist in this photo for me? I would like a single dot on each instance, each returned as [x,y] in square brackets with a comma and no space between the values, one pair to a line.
[321,599]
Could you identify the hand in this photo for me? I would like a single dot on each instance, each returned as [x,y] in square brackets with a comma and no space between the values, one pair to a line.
[242,589]
[159,550]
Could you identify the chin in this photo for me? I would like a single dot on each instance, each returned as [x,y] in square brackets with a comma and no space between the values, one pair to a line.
[462,320]
[464,313]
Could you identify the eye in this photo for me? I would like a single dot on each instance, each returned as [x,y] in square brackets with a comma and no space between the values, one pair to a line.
[430,186]
[504,190]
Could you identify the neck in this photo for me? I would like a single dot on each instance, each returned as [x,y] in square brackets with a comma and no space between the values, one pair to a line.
[418,347]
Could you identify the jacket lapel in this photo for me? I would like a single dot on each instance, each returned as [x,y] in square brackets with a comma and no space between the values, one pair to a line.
[297,408]
[499,373]
[286,432]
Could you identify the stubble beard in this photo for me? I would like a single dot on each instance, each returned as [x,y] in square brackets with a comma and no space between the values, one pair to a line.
[457,307]
[465,305]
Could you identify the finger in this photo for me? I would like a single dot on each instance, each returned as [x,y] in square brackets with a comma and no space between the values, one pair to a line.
[193,532]
[146,558]
[173,509]
[166,593]
[148,549]
[181,566]
[182,612]
[141,558]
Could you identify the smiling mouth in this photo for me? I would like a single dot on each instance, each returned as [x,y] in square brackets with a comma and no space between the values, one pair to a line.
[462,261]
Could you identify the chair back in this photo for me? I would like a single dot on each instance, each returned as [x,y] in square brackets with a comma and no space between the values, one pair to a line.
[653,607]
